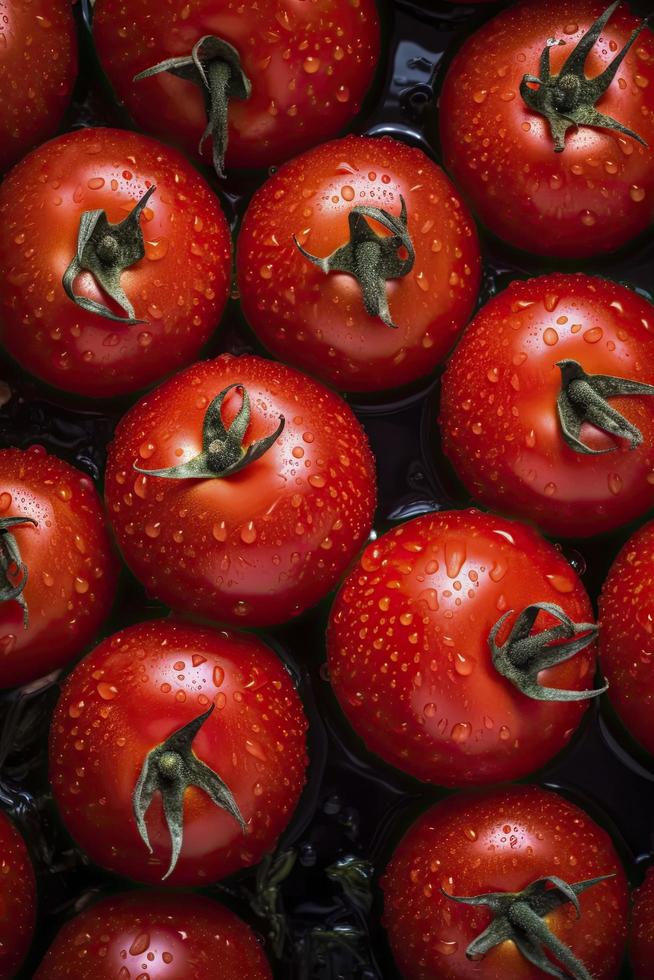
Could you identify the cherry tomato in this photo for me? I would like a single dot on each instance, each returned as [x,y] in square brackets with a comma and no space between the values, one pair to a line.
[641,938]
[560,165]
[410,285]
[274,496]
[434,649]
[17,898]
[58,570]
[169,936]
[147,292]
[38,66]
[229,782]
[291,74]
[496,844]
[546,372]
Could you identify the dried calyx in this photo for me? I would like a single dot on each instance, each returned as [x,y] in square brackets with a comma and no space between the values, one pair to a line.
[215,66]
[106,250]
[13,570]
[569,99]
[372,258]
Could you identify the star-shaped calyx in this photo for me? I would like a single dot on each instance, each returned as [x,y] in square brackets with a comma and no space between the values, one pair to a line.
[13,570]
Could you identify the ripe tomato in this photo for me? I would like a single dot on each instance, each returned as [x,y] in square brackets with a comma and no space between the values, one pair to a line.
[641,939]
[38,66]
[122,709]
[555,354]
[58,570]
[597,192]
[434,657]
[340,326]
[174,255]
[17,898]
[502,841]
[272,535]
[171,937]
[291,73]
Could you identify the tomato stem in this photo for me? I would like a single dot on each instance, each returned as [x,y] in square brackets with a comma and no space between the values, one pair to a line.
[568,99]
[371,258]
[266,901]
[13,570]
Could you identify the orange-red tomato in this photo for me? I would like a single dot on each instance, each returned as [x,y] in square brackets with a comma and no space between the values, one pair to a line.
[17,898]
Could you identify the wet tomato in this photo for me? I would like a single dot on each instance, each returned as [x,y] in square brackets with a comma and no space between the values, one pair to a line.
[158,935]
[178,752]
[547,410]
[241,490]
[547,126]
[38,66]
[58,570]
[452,648]
[17,898]
[115,261]
[286,75]
[484,886]
[641,936]
[358,263]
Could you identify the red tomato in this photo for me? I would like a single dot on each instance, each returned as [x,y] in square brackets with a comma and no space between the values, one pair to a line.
[309,66]
[335,325]
[641,940]
[17,899]
[169,936]
[504,840]
[38,66]
[627,618]
[256,546]
[177,290]
[597,192]
[508,382]
[58,570]
[412,654]
[126,700]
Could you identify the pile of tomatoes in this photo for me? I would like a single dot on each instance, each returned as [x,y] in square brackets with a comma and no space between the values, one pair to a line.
[326,567]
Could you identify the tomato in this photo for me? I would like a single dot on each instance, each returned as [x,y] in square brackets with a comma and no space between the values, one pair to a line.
[38,67]
[560,165]
[58,570]
[123,708]
[641,938]
[392,317]
[145,296]
[546,372]
[441,655]
[169,936]
[287,74]
[251,537]
[17,898]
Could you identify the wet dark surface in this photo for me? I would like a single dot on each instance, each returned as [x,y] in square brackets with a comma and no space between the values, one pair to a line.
[354,808]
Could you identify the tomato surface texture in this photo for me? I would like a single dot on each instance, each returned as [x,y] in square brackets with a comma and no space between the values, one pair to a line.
[641,935]
[17,898]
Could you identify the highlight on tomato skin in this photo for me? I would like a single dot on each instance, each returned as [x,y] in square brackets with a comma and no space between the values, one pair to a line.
[18,898]
[641,933]
[174,935]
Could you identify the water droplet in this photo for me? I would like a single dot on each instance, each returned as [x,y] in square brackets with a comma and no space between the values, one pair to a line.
[219,531]
[463,665]
[615,483]
[140,944]
[5,501]
[550,337]
[80,585]
[347,193]
[311,65]
[455,556]
[447,947]
[637,194]
[561,583]
[594,335]
[153,530]
[249,533]
[343,93]
[107,691]
[461,731]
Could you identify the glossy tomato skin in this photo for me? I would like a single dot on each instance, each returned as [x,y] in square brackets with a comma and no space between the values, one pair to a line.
[500,840]
[266,543]
[38,67]
[641,935]
[133,691]
[596,195]
[179,289]
[499,421]
[318,322]
[310,66]
[408,648]
[72,567]
[17,898]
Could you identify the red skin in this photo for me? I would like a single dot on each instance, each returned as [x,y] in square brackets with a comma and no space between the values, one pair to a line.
[409,657]
[17,899]
[72,567]
[171,936]
[128,696]
[38,67]
[502,433]
[232,560]
[641,938]
[310,65]
[500,840]
[187,242]
[598,193]
[318,322]
[626,608]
